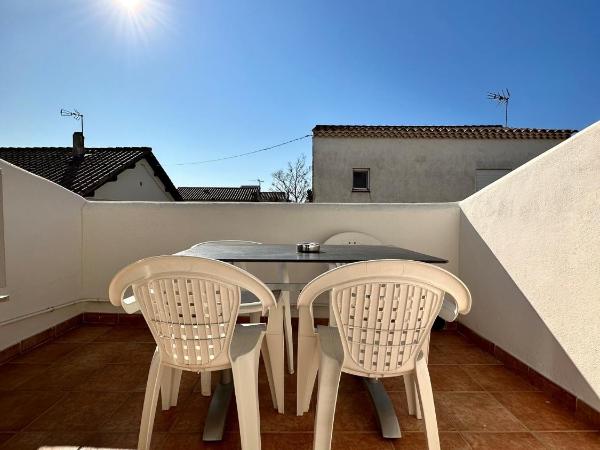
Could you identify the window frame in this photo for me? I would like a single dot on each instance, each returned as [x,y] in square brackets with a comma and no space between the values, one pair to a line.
[366,170]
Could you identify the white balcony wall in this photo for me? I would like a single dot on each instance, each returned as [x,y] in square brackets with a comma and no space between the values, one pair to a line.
[530,252]
[116,234]
[42,246]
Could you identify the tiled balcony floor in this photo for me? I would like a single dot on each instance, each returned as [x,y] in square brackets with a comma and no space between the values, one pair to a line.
[86,389]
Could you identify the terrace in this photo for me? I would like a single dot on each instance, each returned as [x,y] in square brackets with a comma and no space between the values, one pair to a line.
[520,371]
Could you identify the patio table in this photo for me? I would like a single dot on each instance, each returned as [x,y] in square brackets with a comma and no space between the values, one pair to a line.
[286,253]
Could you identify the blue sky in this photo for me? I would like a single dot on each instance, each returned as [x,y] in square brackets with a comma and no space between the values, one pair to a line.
[200,79]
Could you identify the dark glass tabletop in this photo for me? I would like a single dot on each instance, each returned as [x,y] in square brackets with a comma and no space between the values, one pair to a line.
[287,253]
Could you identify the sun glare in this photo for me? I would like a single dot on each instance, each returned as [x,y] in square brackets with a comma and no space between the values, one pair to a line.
[132,6]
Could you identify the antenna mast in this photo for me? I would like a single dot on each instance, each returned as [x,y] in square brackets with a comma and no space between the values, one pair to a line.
[74,114]
[259,182]
[501,97]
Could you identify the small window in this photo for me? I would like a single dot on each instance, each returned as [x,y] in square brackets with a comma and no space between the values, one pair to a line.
[360,179]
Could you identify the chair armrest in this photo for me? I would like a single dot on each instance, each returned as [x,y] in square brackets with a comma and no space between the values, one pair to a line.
[246,338]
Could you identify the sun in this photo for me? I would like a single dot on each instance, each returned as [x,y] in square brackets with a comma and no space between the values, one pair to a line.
[131,6]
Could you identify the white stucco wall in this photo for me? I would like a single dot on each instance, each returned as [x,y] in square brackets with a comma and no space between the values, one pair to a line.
[42,243]
[529,250]
[117,234]
[136,184]
[413,170]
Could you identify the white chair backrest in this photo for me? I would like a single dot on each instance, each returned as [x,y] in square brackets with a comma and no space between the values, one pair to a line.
[190,304]
[384,310]
[352,238]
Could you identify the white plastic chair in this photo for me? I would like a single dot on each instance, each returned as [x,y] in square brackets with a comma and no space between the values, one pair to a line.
[384,311]
[191,306]
[358,238]
[252,307]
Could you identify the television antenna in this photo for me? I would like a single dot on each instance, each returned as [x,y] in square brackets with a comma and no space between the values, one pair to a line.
[74,114]
[501,97]
[259,181]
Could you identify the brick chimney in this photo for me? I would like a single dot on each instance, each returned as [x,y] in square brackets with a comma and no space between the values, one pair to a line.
[78,147]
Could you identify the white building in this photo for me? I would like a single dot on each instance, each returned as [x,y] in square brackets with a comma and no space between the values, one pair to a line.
[418,164]
[119,173]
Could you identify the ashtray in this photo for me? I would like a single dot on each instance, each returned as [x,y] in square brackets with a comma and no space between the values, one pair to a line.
[308,247]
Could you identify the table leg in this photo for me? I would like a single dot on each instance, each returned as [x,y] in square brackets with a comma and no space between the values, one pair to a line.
[386,415]
[218,408]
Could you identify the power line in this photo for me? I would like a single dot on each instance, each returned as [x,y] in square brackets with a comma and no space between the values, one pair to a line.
[244,154]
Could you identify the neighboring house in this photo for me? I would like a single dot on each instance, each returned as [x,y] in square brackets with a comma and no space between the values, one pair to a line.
[414,164]
[230,194]
[120,173]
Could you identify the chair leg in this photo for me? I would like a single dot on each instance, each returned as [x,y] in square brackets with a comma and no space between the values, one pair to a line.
[264,349]
[426,397]
[166,388]
[308,366]
[245,383]
[205,383]
[409,387]
[330,371]
[287,329]
[412,398]
[155,375]
[175,383]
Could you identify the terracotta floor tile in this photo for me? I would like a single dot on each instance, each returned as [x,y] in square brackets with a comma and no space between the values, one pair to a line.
[181,441]
[117,441]
[126,334]
[474,412]
[452,378]
[360,441]
[5,437]
[79,411]
[460,354]
[410,423]
[97,354]
[448,338]
[569,440]
[14,375]
[272,421]
[286,441]
[47,353]
[83,334]
[44,439]
[503,441]
[18,409]
[418,441]
[59,378]
[498,378]
[191,414]
[105,369]
[355,412]
[128,416]
[539,412]
[394,383]
[117,378]
[94,355]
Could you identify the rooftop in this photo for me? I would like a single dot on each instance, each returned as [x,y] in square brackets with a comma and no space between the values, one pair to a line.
[86,389]
[439,132]
[230,194]
[84,174]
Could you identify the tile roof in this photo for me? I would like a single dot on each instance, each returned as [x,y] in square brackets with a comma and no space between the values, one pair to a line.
[230,194]
[439,132]
[83,175]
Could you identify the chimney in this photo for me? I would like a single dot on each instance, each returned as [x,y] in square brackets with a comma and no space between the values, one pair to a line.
[78,147]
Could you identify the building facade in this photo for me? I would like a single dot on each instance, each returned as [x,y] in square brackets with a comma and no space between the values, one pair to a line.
[418,164]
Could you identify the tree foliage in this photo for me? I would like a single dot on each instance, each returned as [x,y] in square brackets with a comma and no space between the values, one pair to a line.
[294,180]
